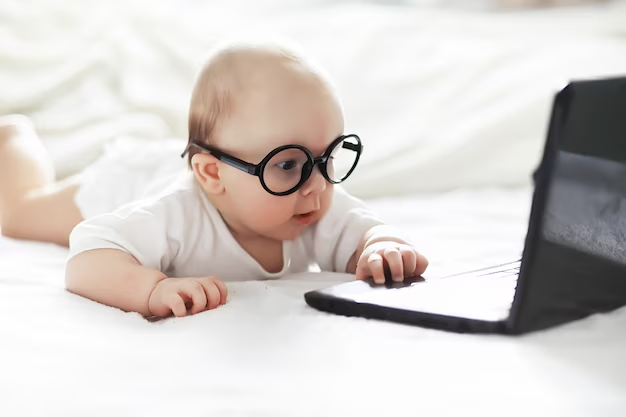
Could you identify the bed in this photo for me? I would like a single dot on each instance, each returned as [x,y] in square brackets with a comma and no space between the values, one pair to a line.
[453,115]
[266,353]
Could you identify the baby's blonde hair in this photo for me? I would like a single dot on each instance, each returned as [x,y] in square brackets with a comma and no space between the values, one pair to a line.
[222,79]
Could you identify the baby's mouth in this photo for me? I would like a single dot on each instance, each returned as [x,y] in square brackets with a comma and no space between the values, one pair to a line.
[305,218]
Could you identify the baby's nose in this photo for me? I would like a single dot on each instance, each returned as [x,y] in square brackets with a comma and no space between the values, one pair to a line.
[315,184]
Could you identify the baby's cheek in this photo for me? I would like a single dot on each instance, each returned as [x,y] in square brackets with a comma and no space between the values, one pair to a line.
[326,198]
[270,210]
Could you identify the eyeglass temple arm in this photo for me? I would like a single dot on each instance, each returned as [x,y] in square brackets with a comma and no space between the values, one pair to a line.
[352,146]
[230,160]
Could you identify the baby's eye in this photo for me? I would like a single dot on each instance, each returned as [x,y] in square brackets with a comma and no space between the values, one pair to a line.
[287,165]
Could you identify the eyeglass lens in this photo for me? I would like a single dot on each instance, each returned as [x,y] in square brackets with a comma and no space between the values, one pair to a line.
[285,170]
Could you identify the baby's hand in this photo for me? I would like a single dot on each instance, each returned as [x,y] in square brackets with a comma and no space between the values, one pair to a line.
[402,259]
[178,295]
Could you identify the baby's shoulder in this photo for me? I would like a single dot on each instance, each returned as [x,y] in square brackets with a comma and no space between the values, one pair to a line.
[182,199]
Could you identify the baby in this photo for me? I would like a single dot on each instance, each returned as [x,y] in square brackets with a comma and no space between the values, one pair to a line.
[266,148]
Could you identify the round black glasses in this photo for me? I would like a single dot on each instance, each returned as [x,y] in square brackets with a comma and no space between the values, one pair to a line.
[285,169]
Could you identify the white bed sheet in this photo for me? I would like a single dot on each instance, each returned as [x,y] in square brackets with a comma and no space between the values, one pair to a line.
[266,353]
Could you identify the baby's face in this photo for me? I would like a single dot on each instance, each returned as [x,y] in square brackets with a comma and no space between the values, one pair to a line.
[281,110]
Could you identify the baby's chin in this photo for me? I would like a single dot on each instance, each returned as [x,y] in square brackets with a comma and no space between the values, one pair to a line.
[291,230]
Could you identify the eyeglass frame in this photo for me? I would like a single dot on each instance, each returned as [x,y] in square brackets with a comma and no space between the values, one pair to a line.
[257,169]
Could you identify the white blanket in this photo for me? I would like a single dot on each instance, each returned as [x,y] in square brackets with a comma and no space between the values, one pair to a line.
[442,98]
[265,353]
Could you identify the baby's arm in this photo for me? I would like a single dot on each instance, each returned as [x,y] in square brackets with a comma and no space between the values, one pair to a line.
[117,259]
[114,278]
[352,238]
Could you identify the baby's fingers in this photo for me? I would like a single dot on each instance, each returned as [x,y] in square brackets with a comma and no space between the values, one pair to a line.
[420,264]
[409,259]
[222,289]
[215,290]
[375,265]
[394,262]
[176,304]
[365,264]
[212,294]
[199,298]
[362,271]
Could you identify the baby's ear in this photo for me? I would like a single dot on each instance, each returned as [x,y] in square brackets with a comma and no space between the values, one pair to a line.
[206,170]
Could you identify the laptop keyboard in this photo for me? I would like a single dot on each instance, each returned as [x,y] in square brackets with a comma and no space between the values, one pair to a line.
[501,274]
[476,295]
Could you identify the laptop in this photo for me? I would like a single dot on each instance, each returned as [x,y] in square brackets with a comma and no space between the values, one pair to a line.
[574,258]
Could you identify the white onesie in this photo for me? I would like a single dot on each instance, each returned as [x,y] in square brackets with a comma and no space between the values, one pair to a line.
[181,234]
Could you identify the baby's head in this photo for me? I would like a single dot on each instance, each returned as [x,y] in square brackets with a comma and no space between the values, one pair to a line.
[249,100]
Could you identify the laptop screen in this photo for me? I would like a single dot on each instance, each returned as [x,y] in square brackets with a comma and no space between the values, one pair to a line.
[576,256]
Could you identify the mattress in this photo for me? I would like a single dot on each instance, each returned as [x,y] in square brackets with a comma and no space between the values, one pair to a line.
[267,353]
